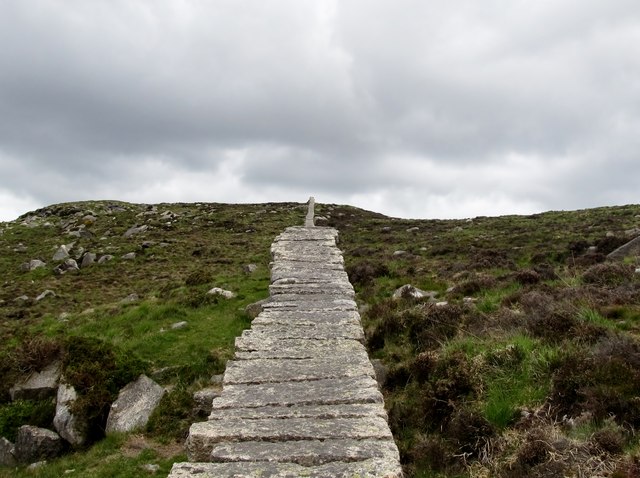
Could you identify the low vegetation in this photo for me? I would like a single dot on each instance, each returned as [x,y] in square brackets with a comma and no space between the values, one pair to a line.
[523,364]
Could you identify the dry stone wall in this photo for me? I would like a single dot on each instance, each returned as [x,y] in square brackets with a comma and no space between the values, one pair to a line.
[300,398]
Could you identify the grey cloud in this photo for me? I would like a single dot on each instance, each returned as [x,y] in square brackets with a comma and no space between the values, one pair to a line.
[402,103]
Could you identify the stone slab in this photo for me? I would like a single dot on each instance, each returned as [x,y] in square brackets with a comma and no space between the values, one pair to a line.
[352,410]
[306,452]
[309,331]
[203,436]
[305,291]
[298,233]
[290,317]
[373,468]
[319,305]
[251,340]
[330,391]
[291,370]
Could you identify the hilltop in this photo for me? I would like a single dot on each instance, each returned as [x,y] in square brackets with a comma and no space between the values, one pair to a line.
[520,359]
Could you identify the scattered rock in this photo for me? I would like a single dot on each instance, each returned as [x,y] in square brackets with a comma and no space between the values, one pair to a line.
[381,371]
[45,294]
[217,379]
[32,265]
[129,256]
[38,464]
[610,234]
[88,259]
[250,268]
[254,309]
[65,423]
[66,266]
[62,253]
[134,405]
[89,219]
[413,230]
[22,298]
[147,244]
[131,298]
[132,231]
[442,304]
[386,230]
[64,316]
[38,385]
[399,253]
[151,468]
[204,399]
[408,290]
[7,453]
[469,300]
[227,294]
[179,325]
[35,444]
[105,258]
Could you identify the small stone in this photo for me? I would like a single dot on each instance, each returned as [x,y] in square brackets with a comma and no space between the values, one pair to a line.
[227,294]
[250,268]
[442,304]
[64,317]
[32,265]
[36,465]
[217,379]
[637,270]
[62,253]
[105,258]
[610,234]
[151,468]
[254,309]
[408,290]
[204,399]
[413,230]
[88,259]
[147,244]
[131,298]
[66,266]
[399,253]
[22,298]
[129,256]
[179,325]
[469,300]
[386,229]
[45,294]
[132,231]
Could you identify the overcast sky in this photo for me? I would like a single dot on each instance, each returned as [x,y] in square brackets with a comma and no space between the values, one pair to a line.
[413,108]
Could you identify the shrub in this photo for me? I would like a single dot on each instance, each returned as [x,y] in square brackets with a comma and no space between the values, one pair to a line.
[363,273]
[527,277]
[608,274]
[470,431]
[97,370]
[429,325]
[199,277]
[25,412]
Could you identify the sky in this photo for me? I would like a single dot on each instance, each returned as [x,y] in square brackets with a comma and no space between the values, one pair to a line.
[412,108]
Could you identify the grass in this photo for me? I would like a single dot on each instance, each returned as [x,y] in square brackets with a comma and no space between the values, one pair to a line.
[547,351]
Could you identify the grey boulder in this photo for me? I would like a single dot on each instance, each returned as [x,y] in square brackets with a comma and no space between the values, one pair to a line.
[36,444]
[38,385]
[134,405]
[7,453]
[65,423]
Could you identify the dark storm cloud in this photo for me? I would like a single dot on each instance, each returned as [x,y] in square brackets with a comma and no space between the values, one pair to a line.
[415,108]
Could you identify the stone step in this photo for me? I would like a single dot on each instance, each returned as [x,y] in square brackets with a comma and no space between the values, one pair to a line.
[290,317]
[283,347]
[307,330]
[305,452]
[308,265]
[303,411]
[373,468]
[304,290]
[203,436]
[330,304]
[331,391]
[291,370]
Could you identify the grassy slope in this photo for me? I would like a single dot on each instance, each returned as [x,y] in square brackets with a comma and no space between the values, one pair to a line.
[530,369]
[203,246]
[475,388]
